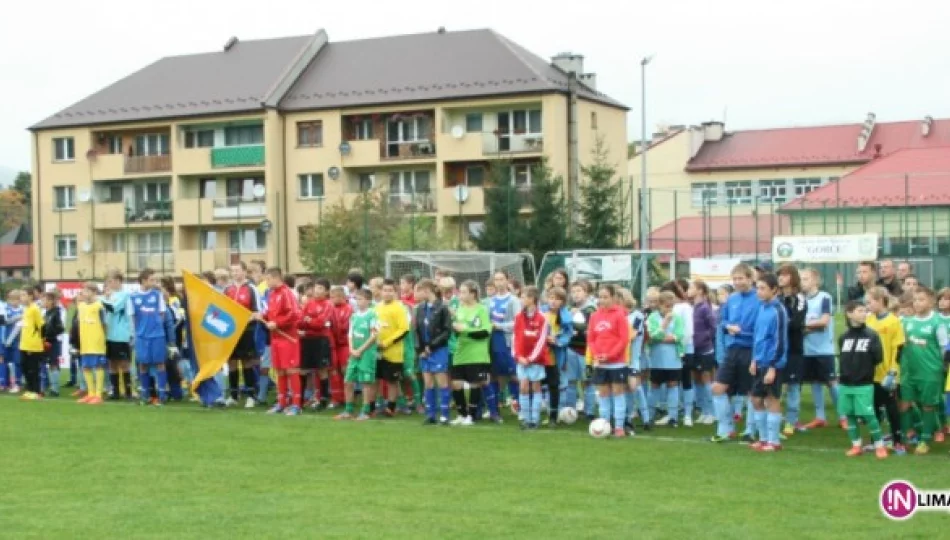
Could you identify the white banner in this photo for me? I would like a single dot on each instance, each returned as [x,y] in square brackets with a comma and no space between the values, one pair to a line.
[601,268]
[817,249]
[715,272]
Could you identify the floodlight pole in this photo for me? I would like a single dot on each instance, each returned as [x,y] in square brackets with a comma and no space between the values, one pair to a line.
[643,177]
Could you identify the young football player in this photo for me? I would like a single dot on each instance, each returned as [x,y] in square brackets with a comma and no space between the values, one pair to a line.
[503,307]
[529,348]
[151,342]
[361,366]
[52,332]
[921,367]
[665,329]
[769,356]
[433,326]
[562,331]
[90,322]
[342,312]
[12,331]
[393,327]
[244,359]
[118,335]
[471,363]
[861,353]
[890,331]
[608,338]
[281,319]
[819,347]
[316,348]
[790,281]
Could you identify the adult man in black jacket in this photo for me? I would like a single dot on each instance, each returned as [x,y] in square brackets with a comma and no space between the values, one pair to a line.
[794,302]
[867,278]
[887,278]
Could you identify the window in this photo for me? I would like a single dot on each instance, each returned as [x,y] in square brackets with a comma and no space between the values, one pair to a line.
[593,119]
[208,240]
[311,186]
[704,194]
[521,175]
[773,191]
[473,122]
[310,133]
[407,130]
[739,192]
[919,245]
[247,240]
[408,183]
[243,189]
[475,176]
[117,242]
[113,144]
[804,186]
[112,192]
[367,181]
[64,149]
[66,246]
[151,145]
[362,130]
[199,138]
[155,242]
[65,197]
[518,122]
[209,188]
[243,135]
[154,191]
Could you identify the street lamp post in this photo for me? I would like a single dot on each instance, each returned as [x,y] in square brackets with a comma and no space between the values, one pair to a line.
[643,176]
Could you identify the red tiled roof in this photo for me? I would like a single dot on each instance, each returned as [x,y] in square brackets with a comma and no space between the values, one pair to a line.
[911,177]
[699,237]
[16,256]
[818,145]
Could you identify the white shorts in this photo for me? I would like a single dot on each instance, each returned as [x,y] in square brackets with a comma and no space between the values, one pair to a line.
[531,373]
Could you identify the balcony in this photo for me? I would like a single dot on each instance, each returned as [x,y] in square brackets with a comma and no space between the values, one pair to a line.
[408,150]
[161,262]
[147,164]
[149,212]
[512,144]
[239,208]
[413,203]
[237,156]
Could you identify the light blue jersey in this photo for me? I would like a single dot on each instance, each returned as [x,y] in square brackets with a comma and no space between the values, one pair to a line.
[118,317]
[11,332]
[502,309]
[636,320]
[821,342]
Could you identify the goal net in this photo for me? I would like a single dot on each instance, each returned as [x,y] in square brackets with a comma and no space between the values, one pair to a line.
[461,265]
[623,267]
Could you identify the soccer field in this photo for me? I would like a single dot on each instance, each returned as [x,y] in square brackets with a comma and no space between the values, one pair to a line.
[124,471]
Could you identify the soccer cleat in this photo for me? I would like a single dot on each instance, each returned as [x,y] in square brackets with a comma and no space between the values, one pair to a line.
[406,411]
[343,416]
[619,433]
[389,413]
[769,447]
[154,401]
[363,417]
[76,394]
[922,449]
[880,452]
[230,402]
[486,415]
[515,407]
[900,450]
[84,400]
[496,420]
[53,394]
[467,421]
[854,451]
[429,422]
[719,439]
[815,424]
[912,438]
[757,446]
[332,406]
[276,409]
[788,430]
[843,422]
[939,436]
[293,410]
[443,421]
[95,400]
[747,438]
[687,421]
[523,425]
[707,420]
[421,409]
[458,421]
[250,403]
[28,396]
[664,421]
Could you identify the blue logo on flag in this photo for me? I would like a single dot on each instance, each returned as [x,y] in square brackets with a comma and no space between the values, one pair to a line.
[218,322]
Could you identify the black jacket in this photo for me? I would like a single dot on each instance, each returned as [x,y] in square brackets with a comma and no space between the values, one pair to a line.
[796,308]
[893,288]
[439,324]
[856,293]
[52,325]
[861,352]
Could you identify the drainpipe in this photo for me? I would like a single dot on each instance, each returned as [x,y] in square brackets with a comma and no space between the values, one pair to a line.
[283,157]
[573,160]
[37,197]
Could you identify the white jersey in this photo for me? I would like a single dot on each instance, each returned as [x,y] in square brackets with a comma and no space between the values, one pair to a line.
[684,310]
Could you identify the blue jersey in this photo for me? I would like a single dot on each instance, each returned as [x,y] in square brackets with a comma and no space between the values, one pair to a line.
[499,309]
[636,320]
[118,317]
[11,332]
[741,309]
[820,342]
[771,335]
[148,314]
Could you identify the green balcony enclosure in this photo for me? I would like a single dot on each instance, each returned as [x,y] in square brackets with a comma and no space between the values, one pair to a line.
[237,156]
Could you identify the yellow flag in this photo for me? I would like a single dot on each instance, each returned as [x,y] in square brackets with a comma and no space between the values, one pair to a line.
[216,323]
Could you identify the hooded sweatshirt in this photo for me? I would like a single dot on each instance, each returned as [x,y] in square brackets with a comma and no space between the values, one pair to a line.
[861,352]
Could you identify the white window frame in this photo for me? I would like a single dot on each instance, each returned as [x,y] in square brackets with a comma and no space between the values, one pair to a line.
[527,168]
[207,240]
[244,242]
[408,183]
[310,181]
[363,129]
[152,144]
[528,132]
[155,243]
[480,119]
[118,242]
[709,189]
[745,187]
[256,127]
[773,191]
[69,197]
[195,135]
[67,247]
[114,144]
[416,121]
[64,149]
[804,186]
[247,186]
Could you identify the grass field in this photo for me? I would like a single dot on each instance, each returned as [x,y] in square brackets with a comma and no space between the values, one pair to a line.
[123,471]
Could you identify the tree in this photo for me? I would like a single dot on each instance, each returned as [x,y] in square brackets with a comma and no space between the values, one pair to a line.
[13,211]
[600,225]
[420,233]
[23,184]
[547,223]
[503,231]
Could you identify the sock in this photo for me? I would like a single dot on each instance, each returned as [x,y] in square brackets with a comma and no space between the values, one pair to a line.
[296,390]
[672,400]
[642,405]
[620,411]
[401,402]
[628,403]
[514,390]
[569,394]
[114,381]
[416,387]
[445,396]
[689,401]
[283,382]
[833,390]
[250,380]
[491,399]
[761,424]
[930,425]
[475,397]
[774,425]
[524,413]
[391,406]
[324,390]
[604,407]
[234,383]
[818,394]
[460,405]
[874,427]
[749,418]
[367,409]
[88,376]
[429,398]
[662,397]
[127,382]
[161,384]
[143,385]
[100,381]
[590,396]
[653,399]
[793,403]
[918,420]
[263,384]
[535,408]
[853,431]
[54,380]
[493,388]
[348,408]
[4,376]
[736,403]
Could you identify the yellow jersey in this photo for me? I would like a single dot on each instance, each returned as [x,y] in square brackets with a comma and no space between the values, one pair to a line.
[393,325]
[891,332]
[91,318]
[31,338]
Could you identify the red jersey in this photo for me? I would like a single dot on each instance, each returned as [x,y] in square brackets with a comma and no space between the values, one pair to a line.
[283,310]
[316,320]
[608,335]
[245,294]
[530,337]
[341,323]
[409,300]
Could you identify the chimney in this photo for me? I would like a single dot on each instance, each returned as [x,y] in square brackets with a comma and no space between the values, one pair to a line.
[713,131]
[231,43]
[569,63]
[926,125]
[589,80]
[441,30]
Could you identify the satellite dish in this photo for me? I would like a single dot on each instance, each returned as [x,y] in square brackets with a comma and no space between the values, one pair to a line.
[458,132]
[259,190]
[86,246]
[85,196]
[345,148]
[333,173]
[461,193]
[266,226]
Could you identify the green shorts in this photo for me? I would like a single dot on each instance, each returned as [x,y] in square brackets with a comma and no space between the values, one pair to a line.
[923,393]
[855,400]
[362,369]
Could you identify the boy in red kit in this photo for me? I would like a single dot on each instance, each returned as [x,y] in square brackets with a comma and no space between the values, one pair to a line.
[530,350]
[316,346]
[342,311]
[281,319]
[608,338]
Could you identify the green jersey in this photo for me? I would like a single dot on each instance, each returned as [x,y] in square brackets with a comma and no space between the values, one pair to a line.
[409,347]
[362,327]
[922,357]
[473,339]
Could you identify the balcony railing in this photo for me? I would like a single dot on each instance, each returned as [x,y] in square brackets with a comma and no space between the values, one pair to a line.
[239,207]
[412,202]
[237,156]
[147,164]
[409,150]
[149,211]
[512,143]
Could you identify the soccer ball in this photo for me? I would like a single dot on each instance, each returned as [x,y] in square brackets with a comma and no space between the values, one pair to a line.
[599,428]
[567,416]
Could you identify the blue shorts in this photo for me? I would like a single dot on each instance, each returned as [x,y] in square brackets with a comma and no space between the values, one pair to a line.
[150,351]
[437,362]
[92,361]
[11,355]
[502,363]
[531,373]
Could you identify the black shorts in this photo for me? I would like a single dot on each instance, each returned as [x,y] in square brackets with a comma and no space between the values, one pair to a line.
[471,373]
[819,369]
[246,348]
[118,351]
[588,372]
[734,371]
[703,362]
[661,377]
[762,390]
[314,353]
[610,376]
[794,369]
[388,371]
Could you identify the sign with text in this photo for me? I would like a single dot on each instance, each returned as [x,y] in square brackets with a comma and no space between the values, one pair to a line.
[714,272]
[819,249]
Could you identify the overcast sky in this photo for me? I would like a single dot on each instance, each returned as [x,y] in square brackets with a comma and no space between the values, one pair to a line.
[759,64]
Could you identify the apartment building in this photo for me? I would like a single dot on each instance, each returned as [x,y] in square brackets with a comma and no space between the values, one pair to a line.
[197,161]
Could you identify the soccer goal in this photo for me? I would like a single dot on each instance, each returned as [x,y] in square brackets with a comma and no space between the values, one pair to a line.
[461,265]
[623,267]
